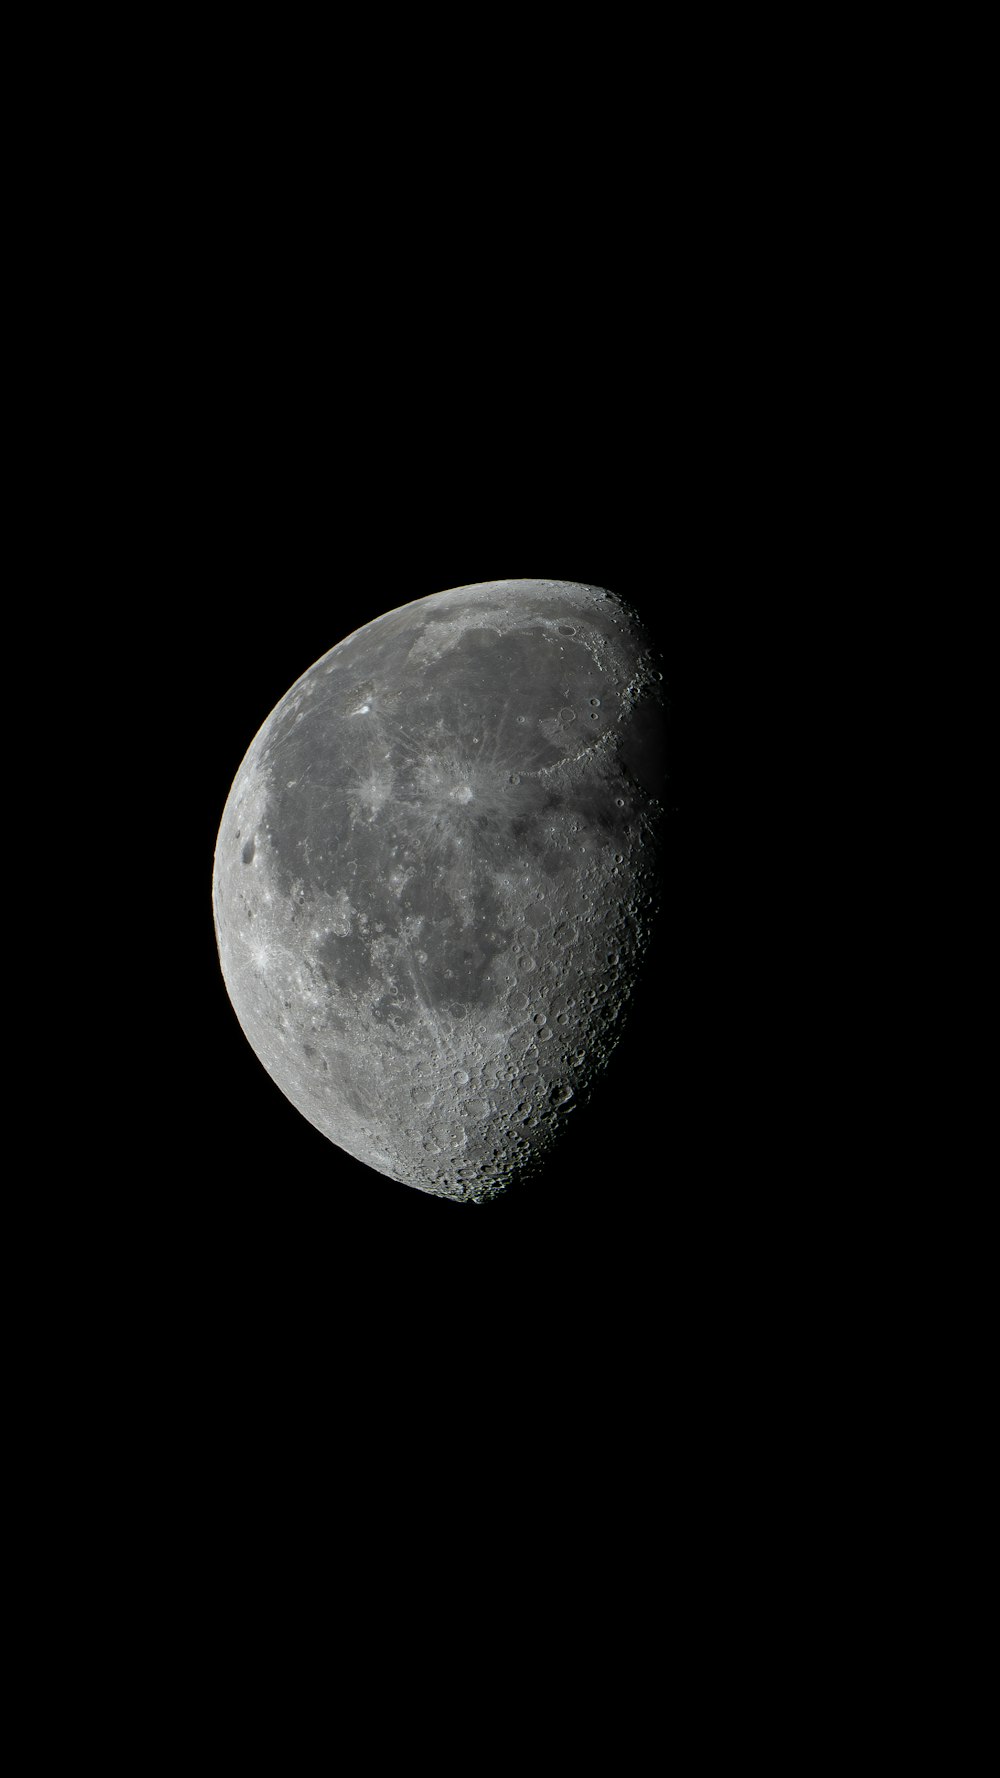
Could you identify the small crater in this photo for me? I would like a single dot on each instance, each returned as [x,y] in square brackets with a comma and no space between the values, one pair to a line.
[460,1077]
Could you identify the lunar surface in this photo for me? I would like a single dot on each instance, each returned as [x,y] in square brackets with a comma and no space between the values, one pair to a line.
[436,874]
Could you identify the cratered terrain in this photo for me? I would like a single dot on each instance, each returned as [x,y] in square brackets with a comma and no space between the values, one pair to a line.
[436,874]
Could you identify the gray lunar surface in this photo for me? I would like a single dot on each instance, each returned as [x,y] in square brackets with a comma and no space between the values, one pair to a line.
[436,873]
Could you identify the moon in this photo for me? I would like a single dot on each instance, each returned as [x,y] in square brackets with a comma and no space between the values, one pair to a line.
[436,876]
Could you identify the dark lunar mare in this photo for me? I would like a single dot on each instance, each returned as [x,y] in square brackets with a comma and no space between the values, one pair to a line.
[436,871]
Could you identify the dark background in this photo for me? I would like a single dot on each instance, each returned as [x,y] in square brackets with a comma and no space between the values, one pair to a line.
[298,388]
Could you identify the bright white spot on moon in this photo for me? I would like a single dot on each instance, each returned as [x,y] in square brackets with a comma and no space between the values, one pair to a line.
[461,794]
[362,710]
